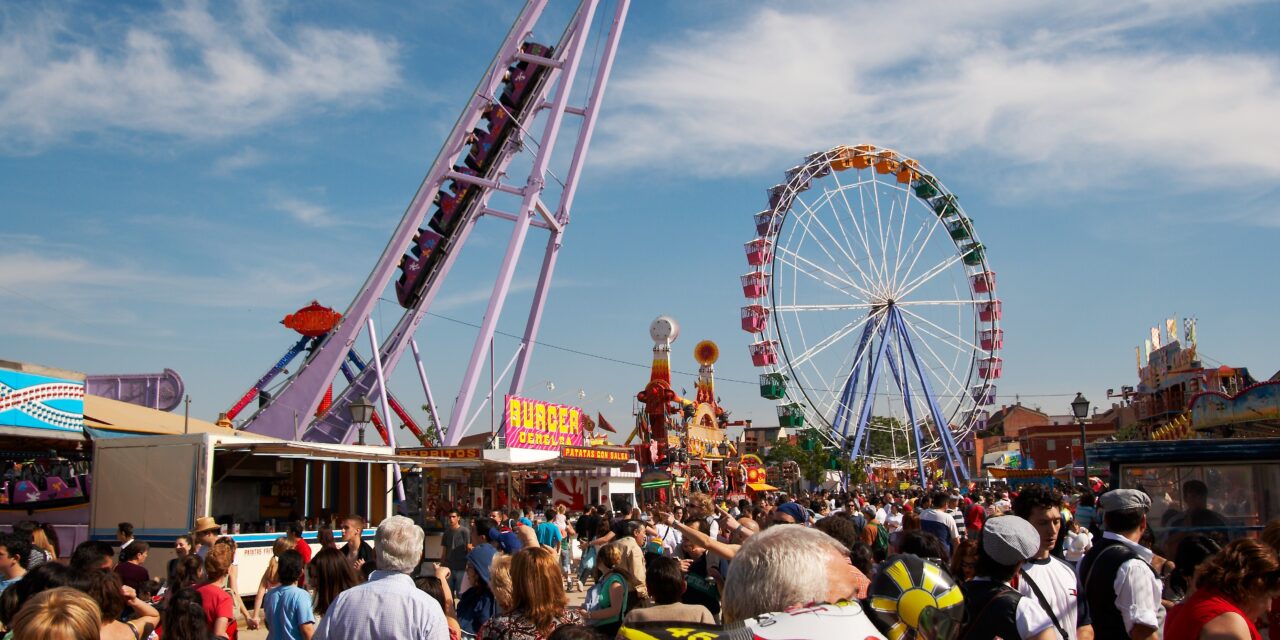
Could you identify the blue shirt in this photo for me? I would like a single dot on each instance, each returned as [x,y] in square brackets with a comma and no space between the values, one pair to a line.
[387,607]
[5,584]
[548,534]
[288,608]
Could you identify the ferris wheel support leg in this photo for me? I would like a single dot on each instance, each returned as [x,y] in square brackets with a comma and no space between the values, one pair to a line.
[867,404]
[958,473]
[904,383]
[841,422]
[532,190]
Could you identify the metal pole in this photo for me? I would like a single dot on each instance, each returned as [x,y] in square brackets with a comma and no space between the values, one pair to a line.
[426,389]
[186,415]
[1084,454]
[382,380]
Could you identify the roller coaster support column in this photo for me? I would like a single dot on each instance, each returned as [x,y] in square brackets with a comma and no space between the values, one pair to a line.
[563,214]
[532,192]
[426,390]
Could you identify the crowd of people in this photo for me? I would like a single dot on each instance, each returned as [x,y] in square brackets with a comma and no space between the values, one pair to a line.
[1033,563]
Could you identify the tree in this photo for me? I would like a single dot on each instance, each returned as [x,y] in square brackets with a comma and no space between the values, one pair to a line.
[888,438]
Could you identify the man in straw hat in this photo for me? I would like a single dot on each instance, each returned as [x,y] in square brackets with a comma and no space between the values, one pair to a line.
[1121,589]
[204,533]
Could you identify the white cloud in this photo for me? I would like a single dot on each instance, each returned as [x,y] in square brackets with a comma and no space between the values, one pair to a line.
[1030,83]
[189,71]
[245,158]
[304,211]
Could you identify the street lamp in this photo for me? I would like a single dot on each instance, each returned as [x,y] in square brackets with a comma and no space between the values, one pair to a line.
[361,414]
[1080,407]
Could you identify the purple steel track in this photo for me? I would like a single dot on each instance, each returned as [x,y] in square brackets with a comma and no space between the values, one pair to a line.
[302,393]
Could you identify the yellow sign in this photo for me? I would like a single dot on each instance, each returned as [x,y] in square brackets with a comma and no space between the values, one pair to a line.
[456,453]
[601,454]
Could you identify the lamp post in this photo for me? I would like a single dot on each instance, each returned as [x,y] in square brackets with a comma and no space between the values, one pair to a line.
[1080,407]
[361,414]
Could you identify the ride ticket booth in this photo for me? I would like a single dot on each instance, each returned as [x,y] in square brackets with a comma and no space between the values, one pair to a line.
[252,486]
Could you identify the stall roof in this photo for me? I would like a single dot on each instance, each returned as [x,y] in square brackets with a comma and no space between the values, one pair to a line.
[331,452]
[113,415]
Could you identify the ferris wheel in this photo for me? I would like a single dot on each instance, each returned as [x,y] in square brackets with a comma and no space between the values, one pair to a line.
[874,309]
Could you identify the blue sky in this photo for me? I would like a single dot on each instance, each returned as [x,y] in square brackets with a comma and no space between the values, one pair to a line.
[176,177]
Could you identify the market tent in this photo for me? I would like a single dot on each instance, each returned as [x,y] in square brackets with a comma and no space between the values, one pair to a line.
[103,416]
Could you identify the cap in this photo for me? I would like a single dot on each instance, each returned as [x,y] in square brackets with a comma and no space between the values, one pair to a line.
[795,511]
[1010,539]
[1121,499]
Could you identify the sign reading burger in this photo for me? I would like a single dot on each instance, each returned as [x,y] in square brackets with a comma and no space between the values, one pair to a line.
[534,424]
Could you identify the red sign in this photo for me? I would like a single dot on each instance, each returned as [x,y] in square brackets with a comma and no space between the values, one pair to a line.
[619,455]
[534,424]
[456,453]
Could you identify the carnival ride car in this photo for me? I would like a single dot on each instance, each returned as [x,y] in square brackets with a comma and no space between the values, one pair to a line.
[878,270]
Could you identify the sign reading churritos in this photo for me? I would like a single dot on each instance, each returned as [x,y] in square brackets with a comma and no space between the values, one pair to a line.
[534,424]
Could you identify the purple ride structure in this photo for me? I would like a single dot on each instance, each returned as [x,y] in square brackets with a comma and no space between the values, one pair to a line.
[513,118]
[871,296]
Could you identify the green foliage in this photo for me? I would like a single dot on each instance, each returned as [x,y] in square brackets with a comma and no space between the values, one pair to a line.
[880,442]
[813,458]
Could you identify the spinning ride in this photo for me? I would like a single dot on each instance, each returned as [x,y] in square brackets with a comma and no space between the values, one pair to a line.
[871,296]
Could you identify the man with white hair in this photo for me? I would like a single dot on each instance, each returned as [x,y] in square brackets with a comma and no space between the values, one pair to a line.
[388,605]
[787,566]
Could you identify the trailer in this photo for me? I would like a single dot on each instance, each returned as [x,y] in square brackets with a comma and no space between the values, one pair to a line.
[252,485]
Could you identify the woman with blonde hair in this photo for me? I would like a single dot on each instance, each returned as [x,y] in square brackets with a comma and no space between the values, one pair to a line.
[538,602]
[269,577]
[1233,588]
[609,599]
[58,614]
[500,582]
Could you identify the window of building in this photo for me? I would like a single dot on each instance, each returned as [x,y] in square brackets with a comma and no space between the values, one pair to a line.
[1051,444]
[1053,464]
[1075,442]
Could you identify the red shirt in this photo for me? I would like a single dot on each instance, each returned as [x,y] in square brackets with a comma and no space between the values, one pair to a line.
[1186,620]
[304,550]
[975,517]
[218,604]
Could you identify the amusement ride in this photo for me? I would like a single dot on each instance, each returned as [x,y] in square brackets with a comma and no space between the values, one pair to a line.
[874,310]
[497,165]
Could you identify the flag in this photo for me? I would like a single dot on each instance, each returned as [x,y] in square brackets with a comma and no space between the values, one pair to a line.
[1155,338]
[1171,329]
[1189,326]
[604,424]
[1137,355]
[1148,351]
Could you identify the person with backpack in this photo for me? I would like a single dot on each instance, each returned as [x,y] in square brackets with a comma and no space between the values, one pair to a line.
[1120,587]
[993,608]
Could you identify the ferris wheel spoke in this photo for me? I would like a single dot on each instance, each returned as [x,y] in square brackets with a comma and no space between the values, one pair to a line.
[929,222]
[960,386]
[933,226]
[813,218]
[966,344]
[884,251]
[862,234]
[902,232]
[779,251]
[925,277]
[822,307]
[845,248]
[826,342]
[937,303]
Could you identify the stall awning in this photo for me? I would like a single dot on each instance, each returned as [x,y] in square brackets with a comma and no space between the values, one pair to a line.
[331,453]
[760,486]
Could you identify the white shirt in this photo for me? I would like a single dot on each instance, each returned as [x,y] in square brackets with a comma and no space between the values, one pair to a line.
[1060,585]
[386,607]
[671,538]
[935,515]
[894,523]
[882,515]
[1137,588]
[1031,618]
[1078,544]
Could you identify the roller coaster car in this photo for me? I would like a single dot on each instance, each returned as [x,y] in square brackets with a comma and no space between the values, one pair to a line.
[522,76]
[415,266]
[445,220]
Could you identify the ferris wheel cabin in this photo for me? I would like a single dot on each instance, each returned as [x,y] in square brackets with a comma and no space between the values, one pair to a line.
[984,395]
[984,282]
[764,353]
[773,386]
[755,284]
[990,368]
[989,311]
[755,318]
[759,252]
[766,223]
[991,339]
[791,415]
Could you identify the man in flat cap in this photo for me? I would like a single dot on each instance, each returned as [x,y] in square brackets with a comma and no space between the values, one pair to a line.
[995,609]
[1121,589]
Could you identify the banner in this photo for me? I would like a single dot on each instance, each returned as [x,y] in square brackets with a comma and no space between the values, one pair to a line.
[534,424]
[618,455]
[1171,329]
[41,402]
[455,453]
[1155,338]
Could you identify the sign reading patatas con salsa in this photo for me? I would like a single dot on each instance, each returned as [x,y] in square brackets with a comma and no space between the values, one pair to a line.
[534,424]
[617,455]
